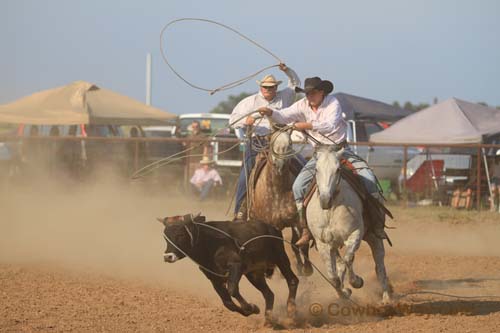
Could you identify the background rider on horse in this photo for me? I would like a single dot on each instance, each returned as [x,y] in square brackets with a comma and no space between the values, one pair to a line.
[268,96]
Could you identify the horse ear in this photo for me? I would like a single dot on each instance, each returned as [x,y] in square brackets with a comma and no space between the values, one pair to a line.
[199,219]
[340,152]
[331,149]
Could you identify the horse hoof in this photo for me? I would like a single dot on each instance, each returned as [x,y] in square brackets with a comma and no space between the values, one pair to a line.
[308,270]
[386,298]
[357,282]
[250,310]
[255,308]
[289,322]
[346,293]
[269,319]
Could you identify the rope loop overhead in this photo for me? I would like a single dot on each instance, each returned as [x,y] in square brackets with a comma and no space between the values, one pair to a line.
[225,86]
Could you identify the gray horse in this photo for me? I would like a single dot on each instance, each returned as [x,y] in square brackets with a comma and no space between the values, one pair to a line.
[335,218]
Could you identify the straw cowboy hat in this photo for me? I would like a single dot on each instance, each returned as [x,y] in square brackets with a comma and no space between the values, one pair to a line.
[206,160]
[268,81]
[312,83]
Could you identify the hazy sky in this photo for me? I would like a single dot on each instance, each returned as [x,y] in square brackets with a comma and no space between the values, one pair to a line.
[385,50]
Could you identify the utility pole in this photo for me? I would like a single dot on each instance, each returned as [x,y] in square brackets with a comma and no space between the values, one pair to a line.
[148,79]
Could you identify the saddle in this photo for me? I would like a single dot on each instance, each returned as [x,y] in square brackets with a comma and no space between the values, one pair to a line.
[372,208]
[260,163]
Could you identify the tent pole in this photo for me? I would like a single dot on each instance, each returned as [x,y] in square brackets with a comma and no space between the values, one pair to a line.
[478,185]
[148,79]
[136,155]
[405,179]
[487,171]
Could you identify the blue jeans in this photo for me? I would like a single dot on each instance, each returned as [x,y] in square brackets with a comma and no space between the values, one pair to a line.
[204,191]
[247,167]
[303,180]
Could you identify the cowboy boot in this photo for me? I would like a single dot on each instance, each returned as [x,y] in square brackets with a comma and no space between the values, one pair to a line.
[306,234]
[379,221]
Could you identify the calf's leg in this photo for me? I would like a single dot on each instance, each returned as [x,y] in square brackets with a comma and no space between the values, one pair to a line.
[235,272]
[292,280]
[221,290]
[258,280]
[247,307]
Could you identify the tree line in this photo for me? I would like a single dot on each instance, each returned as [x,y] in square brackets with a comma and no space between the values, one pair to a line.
[231,101]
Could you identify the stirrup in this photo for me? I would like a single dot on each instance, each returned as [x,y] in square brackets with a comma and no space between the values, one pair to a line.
[240,216]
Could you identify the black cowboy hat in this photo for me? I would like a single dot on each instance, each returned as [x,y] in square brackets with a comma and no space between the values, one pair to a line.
[315,83]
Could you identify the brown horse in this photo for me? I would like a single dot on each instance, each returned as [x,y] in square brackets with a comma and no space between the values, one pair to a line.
[270,192]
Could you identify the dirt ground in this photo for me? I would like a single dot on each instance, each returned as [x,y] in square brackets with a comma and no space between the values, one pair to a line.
[89,258]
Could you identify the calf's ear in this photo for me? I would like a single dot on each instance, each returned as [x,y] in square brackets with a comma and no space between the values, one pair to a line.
[199,218]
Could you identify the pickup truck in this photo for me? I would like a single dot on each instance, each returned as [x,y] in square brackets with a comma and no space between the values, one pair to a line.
[386,162]
[215,124]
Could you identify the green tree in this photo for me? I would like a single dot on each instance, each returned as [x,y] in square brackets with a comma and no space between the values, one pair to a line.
[396,104]
[411,107]
[421,106]
[228,105]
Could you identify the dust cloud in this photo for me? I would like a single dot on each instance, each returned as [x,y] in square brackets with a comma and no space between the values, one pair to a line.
[105,227]
[109,227]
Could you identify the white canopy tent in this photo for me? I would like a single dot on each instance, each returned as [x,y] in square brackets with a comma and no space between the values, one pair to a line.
[451,121]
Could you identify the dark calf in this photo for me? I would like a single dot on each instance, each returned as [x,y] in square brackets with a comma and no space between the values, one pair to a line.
[217,248]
